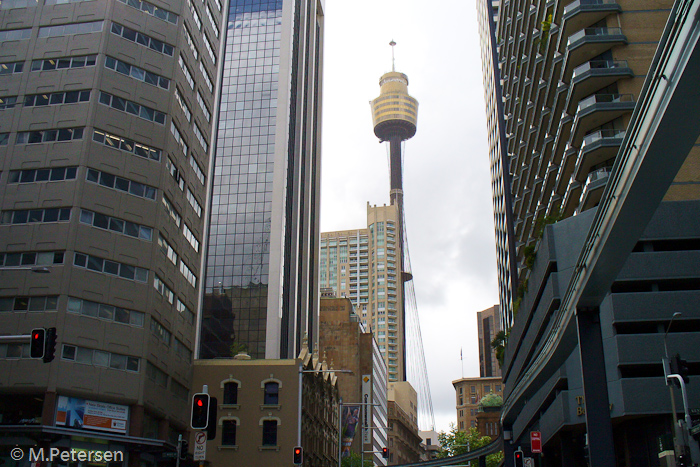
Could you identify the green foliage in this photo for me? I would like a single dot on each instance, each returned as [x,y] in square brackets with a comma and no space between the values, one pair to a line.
[238,347]
[491,400]
[529,254]
[546,26]
[499,345]
[545,221]
[457,442]
[354,460]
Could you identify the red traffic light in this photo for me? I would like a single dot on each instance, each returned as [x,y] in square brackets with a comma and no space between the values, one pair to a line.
[298,455]
[385,453]
[37,343]
[200,411]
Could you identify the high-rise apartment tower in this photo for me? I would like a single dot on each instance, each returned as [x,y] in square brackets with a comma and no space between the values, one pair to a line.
[261,289]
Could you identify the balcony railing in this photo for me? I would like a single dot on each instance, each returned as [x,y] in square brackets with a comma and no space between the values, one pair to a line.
[599,64]
[603,99]
[577,4]
[599,174]
[593,32]
[600,135]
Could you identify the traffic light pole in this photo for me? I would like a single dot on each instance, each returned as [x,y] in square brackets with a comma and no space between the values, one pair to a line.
[689,441]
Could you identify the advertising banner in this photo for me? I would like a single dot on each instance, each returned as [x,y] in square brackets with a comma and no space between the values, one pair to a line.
[350,417]
[367,409]
[73,412]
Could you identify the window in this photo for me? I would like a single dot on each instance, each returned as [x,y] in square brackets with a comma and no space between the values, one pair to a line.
[142,39]
[56,98]
[104,311]
[164,290]
[127,145]
[228,433]
[171,210]
[180,100]
[210,15]
[194,203]
[25,216]
[190,42]
[49,136]
[63,63]
[95,263]
[152,10]
[269,437]
[138,110]
[42,175]
[31,258]
[203,106]
[186,71]
[271,396]
[9,102]
[137,73]
[197,170]
[195,15]
[189,236]
[160,332]
[200,137]
[99,358]
[178,137]
[16,34]
[231,393]
[35,303]
[122,184]
[11,67]
[207,79]
[114,224]
[70,29]
[188,274]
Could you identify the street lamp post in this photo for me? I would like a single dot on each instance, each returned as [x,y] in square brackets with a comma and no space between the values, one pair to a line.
[665,362]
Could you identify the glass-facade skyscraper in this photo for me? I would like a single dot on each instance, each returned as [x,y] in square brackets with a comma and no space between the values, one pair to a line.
[259,294]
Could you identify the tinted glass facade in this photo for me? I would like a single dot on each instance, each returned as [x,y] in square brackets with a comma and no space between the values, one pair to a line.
[264,181]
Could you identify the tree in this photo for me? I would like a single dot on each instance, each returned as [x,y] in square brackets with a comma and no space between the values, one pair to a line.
[457,442]
[499,345]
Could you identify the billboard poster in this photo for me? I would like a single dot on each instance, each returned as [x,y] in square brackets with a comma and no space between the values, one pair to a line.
[73,412]
[350,417]
[367,406]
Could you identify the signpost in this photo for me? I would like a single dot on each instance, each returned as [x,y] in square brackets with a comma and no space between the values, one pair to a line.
[200,446]
[536,442]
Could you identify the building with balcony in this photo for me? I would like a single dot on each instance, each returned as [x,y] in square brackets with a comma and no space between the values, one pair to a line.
[107,111]
[572,75]
[488,324]
[363,266]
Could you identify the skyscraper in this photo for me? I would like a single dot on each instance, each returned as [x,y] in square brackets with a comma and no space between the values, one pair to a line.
[362,265]
[105,124]
[583,359]
[488,325]
[261,291]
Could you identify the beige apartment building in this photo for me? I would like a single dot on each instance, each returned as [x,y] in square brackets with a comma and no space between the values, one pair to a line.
[405,442]
[362,265]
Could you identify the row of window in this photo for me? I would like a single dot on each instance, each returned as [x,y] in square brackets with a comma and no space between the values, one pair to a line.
[127,145]
[8,102]
[42,175]
[115,224]
[228,432]
[137,73]
[152,10]
[142,39]
[29,216]
[49,136]
[31,258]
[133,108]
[62,63]
[125,271]
[100,358]
[36,303]
[56,98]
[122,184]
[71,29]
[106,312]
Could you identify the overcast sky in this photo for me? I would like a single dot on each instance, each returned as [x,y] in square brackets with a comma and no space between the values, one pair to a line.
[446,169]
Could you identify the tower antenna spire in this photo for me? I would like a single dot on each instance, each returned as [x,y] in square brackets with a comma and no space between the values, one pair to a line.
[392,44]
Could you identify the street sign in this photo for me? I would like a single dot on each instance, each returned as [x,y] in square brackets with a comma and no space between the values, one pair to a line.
[169,455]
[200,446]
[535,442]
[528,462]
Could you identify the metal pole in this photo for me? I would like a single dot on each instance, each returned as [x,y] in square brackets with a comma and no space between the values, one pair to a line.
[179,446]
[694,452]
[670,386]
[340,431]
[301,373]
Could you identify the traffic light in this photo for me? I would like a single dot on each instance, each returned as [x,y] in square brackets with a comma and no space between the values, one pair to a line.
[518,458]
[37,343]
[183,449]
[200,411]
[385,453]
[50,346]
[680,367]
[298,455]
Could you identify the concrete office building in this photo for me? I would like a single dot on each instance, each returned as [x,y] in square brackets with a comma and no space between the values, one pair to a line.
[106,112]
[362,265]
[261,283]
[488,324]
[345,343]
